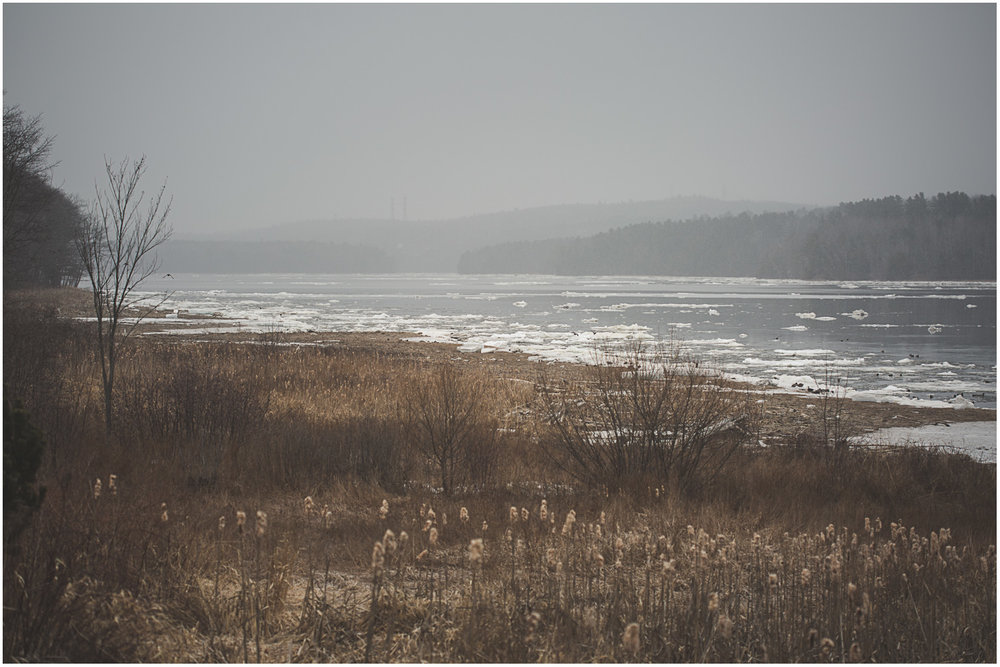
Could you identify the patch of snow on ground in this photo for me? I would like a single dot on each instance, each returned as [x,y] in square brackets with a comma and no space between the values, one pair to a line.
[977,439]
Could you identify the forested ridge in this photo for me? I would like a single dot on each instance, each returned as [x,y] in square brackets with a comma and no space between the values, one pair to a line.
[949,236]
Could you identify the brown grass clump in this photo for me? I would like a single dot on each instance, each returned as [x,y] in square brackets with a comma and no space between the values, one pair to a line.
[263,502]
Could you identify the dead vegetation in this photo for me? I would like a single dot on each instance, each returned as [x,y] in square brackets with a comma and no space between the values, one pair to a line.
[266,502]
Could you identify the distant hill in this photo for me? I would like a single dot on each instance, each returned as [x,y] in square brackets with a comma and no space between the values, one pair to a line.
[950,236]
[436,246]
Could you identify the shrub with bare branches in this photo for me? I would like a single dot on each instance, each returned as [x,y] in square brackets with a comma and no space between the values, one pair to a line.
[646,413]
[451,425]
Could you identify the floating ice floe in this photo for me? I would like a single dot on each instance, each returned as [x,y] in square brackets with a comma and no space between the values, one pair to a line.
[519,304]
[797,327]
[857,314]
[934,329]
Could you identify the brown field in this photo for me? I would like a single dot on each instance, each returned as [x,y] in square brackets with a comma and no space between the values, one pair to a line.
[263,486]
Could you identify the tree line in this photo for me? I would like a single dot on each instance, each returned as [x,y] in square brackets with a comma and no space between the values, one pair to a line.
[949,236]
[41,224]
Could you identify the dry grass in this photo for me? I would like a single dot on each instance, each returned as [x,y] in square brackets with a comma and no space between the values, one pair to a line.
[317,439]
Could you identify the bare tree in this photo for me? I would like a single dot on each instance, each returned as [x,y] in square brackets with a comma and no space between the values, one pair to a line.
[450,426]
[26,151]
[117,249]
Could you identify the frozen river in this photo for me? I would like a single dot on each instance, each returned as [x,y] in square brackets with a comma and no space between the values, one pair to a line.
[931,344]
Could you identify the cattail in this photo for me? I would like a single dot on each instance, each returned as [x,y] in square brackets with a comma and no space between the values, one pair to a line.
[222,523]
[485,526]
[423,510]
[597,531]
[604,518]
[543,511]
[404,537]
[551,559]
[113,484]
[806,576]
[421,554]
[713,602]
[725,626]
[690,531]
[97,488]
[878,525]
[534,618]
[389,542]
[378,558]
[241,519]
[835,567]
[619,543]
[463,515]
[327,519]
[308,504]
[630,639]
[383,511]
[855,652]
[525,514]
[261,522]
[851,590]
[513,514]
[826,645]
[163,509]
[772,580]
[568,525]
[433,536]
[431,516]
[427,525]
[476,550]
[813,636]
[935,544]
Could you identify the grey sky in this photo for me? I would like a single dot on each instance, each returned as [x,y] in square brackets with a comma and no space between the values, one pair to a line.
[262,114]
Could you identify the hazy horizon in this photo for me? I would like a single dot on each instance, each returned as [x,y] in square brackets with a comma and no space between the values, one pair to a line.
[258,115]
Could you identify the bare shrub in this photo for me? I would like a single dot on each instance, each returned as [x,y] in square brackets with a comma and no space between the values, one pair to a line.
[647,413]
[203,401]
[452,426]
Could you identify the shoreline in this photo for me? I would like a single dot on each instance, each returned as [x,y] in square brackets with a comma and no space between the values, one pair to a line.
[788,413]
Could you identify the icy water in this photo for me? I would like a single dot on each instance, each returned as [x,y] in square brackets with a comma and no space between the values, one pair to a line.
[931,344]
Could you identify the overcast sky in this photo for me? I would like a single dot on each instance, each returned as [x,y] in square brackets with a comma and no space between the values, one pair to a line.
[262,114]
